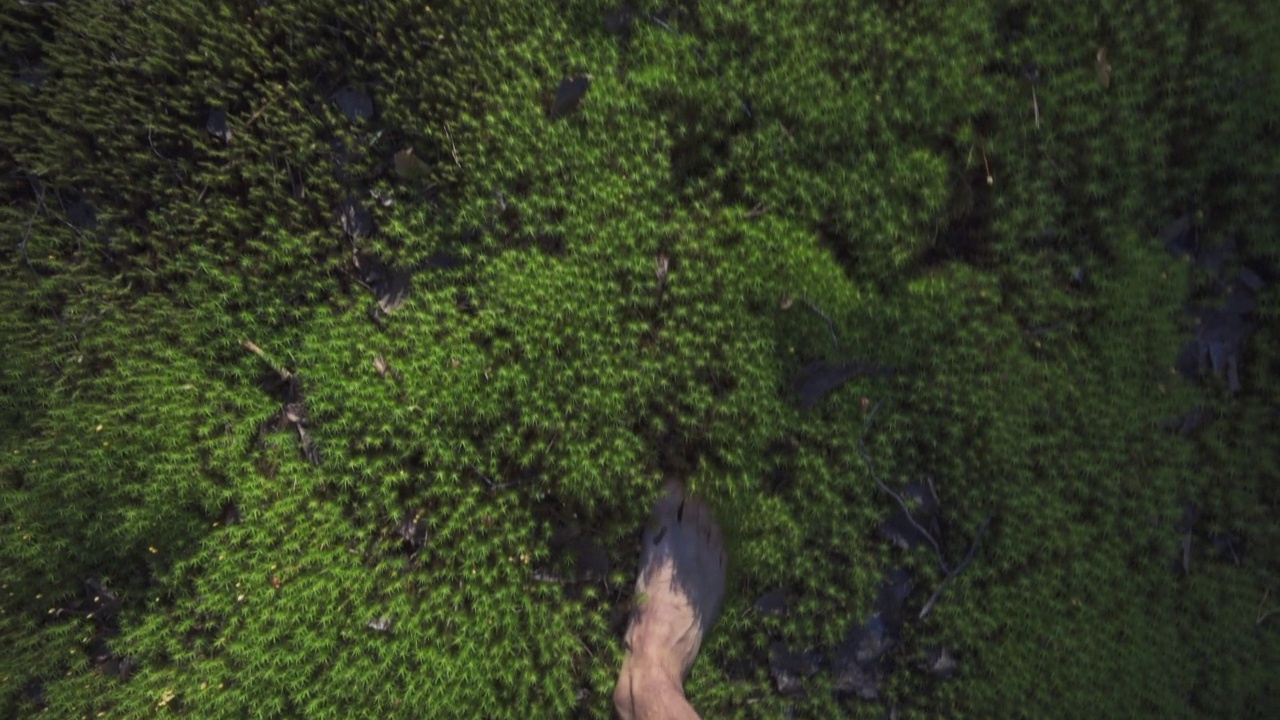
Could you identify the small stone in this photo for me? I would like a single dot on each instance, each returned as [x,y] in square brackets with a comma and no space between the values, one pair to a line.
[83,215]
[33,76]
[773,603]
[355,220]
[407,165]
[569,95]
[620,21]
[1179,236]
[355,105]
[216,125]
[941,663]
[851,677]
[788,668]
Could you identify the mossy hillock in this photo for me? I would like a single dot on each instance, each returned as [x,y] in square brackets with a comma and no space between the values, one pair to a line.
[328,327]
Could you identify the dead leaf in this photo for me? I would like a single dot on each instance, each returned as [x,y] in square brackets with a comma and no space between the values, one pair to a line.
[408,166]
[1103,68]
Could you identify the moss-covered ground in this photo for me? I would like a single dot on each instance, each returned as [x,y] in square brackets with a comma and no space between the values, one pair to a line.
[977,195]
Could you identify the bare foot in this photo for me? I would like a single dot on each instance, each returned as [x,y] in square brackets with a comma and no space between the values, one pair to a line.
[678,595]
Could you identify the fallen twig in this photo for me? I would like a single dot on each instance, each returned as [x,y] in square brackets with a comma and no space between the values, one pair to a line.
[950,572]
[956,570]
[830,325]
[496,486]
[1264,615]
[862,450]
[453,148]
[253,348]
[280,92]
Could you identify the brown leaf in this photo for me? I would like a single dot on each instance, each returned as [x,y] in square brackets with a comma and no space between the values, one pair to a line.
[408,166]
[1103,68]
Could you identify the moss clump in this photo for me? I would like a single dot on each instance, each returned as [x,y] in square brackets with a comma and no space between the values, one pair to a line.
[617,294]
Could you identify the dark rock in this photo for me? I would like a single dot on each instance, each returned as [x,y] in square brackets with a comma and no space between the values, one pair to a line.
[390,286]
[740,668]
[100,602]
[789,668]
[1214,259]
[819,378]
[99,650]
[33,76]
[216,125]
[1188,363]
[1184,527]
[408,166]
[1179,236]
[577,553]
[412,531]
[355,220]
[344,155]
[852,677]
[82,214]
[891,598]
[1220,335]
[590,561]
[1240,295]
[354,104]
[620,22]
[870,642]
[444,261]
[231,514]
[569,95]
[33,692]
[121,667]
[292,416]
[1251,280]
[773,603]
[1191,422]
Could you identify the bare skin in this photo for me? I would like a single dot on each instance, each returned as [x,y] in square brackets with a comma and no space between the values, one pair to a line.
[678,597]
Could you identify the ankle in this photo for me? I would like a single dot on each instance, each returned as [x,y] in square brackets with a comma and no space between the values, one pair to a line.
[648,690]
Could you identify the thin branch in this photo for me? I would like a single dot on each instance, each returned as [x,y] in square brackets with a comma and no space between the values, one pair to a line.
[496,486]
[654,19]
[830,325]
[253,348]
[933,599]
[950,572]
[1264,615]
[279,94]
[453,148]
[862,450]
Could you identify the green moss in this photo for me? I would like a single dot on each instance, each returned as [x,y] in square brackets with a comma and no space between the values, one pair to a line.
[633,303]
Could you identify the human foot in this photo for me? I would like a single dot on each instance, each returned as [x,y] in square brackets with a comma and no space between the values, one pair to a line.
[679,589]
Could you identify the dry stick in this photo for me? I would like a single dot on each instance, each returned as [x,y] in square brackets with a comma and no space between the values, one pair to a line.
[26,236]
[830,325]
[253,348]
[950,572]
[279,94]
[496,486]
[862,450]
[955,571]
[983,144]
[1264,615]
[453,147]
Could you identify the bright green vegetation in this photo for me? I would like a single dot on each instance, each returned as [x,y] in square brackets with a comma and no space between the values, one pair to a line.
[130,414]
